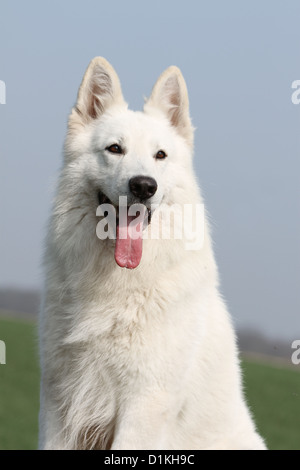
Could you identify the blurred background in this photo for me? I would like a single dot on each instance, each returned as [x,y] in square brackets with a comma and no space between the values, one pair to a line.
[239,60]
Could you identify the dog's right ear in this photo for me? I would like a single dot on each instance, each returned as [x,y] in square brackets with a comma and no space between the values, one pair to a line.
[100,89]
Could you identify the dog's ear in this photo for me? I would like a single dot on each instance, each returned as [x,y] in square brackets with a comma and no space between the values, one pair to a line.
[170,95]
[99,89]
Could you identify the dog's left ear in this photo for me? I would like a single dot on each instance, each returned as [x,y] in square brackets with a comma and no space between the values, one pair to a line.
[170,95]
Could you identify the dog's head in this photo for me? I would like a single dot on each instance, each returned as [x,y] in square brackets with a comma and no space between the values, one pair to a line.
[144,157]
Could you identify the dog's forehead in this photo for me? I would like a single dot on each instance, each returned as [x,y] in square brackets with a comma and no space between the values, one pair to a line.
[132,127]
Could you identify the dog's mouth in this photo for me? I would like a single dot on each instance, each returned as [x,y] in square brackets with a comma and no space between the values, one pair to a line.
[103,199]
[129,231]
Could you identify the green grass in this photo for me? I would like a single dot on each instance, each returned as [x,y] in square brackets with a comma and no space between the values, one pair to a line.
[19,386]
[273,394]
[274,397]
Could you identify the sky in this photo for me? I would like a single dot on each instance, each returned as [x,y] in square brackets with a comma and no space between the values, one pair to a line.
[239,60]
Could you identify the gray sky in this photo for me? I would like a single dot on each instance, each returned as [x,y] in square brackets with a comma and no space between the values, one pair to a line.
[239,60]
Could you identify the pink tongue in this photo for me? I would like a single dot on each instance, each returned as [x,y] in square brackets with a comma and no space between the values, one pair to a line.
[129,244]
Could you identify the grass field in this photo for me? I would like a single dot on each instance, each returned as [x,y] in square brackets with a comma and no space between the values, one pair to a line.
[273,394]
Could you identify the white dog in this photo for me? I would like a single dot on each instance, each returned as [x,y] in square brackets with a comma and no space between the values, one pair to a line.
[143,357]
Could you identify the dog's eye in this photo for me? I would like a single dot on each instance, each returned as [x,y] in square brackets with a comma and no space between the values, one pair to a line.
[160,155]
[115,148]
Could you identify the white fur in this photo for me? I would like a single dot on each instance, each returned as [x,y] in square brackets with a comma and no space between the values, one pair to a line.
[143,358]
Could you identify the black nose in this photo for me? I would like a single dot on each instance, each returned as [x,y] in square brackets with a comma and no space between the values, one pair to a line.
[143,187]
